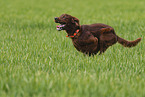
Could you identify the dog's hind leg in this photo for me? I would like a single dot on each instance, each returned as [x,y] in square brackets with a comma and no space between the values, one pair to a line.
[107,40]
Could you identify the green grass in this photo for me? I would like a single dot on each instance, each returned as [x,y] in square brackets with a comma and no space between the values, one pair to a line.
[38,61]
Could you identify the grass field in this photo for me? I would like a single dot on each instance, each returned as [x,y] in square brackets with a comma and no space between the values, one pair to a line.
[38,61]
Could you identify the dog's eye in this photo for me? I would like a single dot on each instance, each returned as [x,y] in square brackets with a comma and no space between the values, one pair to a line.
[64,17]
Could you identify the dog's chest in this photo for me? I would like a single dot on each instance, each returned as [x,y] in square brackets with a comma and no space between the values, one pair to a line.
[83,46]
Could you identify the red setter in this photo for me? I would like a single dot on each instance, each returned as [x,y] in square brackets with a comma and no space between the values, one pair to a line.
[91,39]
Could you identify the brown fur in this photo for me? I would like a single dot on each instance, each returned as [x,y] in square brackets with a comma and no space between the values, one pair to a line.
[93,38]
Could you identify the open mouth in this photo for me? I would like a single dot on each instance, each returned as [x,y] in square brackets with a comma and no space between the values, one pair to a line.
[60,27]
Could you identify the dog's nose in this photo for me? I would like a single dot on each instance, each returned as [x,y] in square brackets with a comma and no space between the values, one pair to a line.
[56,18]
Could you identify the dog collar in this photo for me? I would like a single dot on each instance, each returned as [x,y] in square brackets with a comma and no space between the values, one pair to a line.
[74,34]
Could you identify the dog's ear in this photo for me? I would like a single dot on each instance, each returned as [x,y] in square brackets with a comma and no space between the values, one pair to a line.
[75,20]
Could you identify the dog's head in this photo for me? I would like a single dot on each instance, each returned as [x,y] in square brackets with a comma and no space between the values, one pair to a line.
[67,22]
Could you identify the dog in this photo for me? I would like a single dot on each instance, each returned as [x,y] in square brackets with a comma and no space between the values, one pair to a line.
[90,39]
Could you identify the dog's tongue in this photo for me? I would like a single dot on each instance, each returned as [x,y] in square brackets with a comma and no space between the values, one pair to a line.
[59,27]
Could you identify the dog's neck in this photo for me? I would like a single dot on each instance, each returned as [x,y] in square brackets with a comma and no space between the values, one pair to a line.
[73,32]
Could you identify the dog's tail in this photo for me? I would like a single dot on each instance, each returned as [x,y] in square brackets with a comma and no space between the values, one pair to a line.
[126,43]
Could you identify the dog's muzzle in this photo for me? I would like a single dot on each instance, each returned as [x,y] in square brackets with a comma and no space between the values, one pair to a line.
[59,27]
